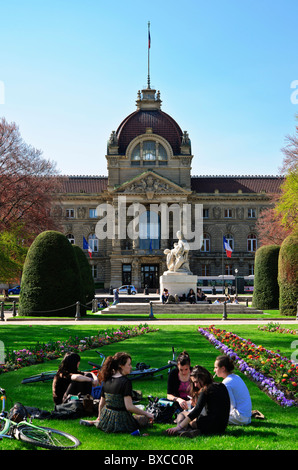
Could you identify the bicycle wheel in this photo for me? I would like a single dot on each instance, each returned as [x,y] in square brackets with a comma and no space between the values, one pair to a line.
[47,437]
[44,376]
[4,426]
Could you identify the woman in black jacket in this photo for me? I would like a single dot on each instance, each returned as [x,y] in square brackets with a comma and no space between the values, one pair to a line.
[211,412]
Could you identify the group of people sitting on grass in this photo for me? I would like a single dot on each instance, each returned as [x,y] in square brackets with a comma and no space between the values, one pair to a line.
[205,406]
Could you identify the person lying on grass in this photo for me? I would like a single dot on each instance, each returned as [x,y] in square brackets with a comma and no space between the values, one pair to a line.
[116,411]
[211,412]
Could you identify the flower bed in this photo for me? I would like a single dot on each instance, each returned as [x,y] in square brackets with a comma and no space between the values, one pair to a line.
[15,360]
[275,327]
[276,375]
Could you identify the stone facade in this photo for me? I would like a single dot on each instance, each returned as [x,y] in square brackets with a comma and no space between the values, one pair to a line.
[149,162]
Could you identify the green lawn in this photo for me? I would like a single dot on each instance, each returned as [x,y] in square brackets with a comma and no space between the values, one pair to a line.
[277,432]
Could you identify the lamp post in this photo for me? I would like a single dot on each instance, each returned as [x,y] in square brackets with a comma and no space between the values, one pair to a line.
[236,272]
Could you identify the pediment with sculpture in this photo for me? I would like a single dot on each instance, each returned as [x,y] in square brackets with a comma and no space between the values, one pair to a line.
[150,183]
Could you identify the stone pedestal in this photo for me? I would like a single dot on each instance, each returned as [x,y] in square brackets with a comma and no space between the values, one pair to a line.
[177,283]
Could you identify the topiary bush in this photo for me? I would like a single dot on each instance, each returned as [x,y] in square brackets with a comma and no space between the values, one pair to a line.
[87,280]
[51,283]
[288,275]
[266,289]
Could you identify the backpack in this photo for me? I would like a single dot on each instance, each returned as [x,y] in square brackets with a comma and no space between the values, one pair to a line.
[18,413]
[164,411]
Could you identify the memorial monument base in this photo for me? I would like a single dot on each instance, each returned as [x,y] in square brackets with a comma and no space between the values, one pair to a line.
[177,283]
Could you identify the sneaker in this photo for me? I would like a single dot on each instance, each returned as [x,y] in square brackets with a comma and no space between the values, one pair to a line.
[85,422]
[190,433]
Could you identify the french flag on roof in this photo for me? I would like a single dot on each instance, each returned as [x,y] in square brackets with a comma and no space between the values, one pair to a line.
[86,246]
[227,247]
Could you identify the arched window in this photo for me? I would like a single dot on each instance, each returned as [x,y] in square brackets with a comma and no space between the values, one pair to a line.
[149,231]
[70,238]
[206,242]
[252,243]
[93,242]
[148,153]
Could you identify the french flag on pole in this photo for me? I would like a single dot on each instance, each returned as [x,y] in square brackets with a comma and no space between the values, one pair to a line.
[87,247]
[227,247]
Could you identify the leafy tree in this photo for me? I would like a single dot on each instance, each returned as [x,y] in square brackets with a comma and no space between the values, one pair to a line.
[287,206]
[51,282]
[280,219]
[266,289]
[12,256]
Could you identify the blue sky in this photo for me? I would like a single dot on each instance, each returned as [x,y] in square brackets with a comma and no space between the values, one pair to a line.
[70,71]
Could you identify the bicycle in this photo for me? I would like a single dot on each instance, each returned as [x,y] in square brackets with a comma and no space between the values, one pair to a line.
[46,376]
[143,371]
[30,433]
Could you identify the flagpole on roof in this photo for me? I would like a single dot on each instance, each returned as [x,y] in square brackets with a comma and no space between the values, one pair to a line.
[149,45]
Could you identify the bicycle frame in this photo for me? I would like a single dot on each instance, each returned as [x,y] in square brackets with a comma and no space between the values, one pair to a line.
[30,433]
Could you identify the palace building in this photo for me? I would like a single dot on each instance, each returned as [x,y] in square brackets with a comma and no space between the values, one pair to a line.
[149,161]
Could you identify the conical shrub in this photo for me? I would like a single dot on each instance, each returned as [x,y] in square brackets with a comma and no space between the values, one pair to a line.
[266,290]
[51,283]
[87,281]
[288,275]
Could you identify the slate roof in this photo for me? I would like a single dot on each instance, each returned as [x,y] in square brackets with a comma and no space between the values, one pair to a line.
[161,123]
[199,184]
[83,184]
[233,184]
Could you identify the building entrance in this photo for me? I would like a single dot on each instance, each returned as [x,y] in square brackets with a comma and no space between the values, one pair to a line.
[150,276]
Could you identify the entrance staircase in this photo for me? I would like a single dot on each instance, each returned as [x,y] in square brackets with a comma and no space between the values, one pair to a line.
[180,308]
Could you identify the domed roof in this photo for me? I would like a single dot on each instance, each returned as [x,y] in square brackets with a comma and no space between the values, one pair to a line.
[138,122]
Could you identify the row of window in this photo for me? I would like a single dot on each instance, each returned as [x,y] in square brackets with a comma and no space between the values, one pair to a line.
[252,243]
[149,272]
[229,270]
[228,213]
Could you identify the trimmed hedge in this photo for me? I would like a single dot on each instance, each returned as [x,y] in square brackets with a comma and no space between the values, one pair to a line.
[266,289]
[85,271]
[288,275]
[51,283]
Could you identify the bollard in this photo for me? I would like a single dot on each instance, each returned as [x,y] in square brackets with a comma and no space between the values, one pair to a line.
[151,311]
[78,312]
[94,306]
[2,311]
[14,309]
[297,312]
[224,316]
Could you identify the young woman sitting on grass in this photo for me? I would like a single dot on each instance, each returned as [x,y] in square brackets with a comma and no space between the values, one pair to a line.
[211,397]
[70,381]
[240,412]
[116,411]
[179,382]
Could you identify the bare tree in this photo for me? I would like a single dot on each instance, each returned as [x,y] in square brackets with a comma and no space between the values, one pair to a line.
[27,183]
